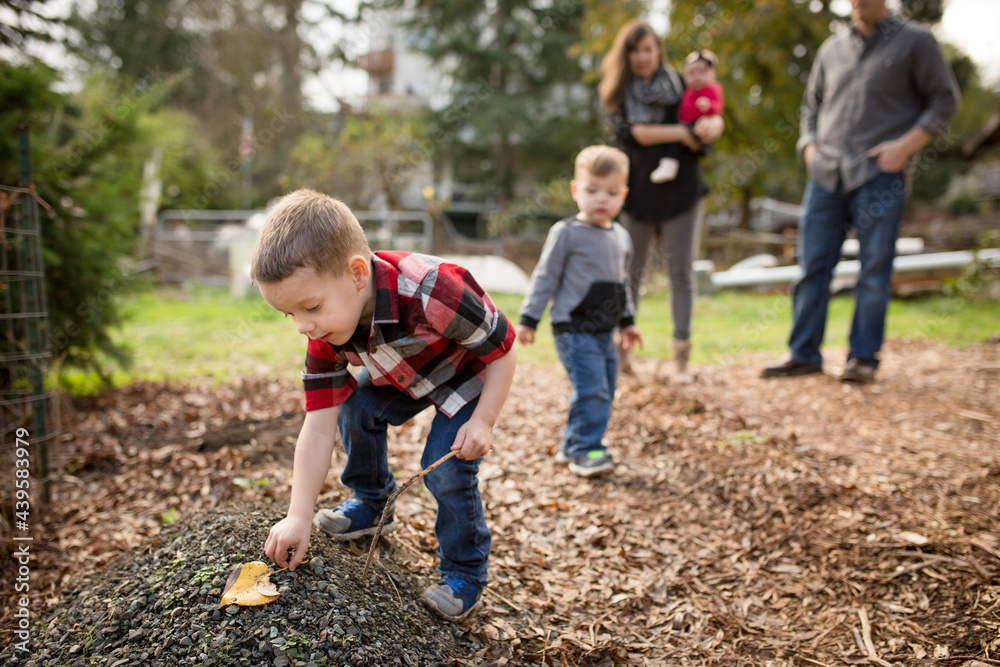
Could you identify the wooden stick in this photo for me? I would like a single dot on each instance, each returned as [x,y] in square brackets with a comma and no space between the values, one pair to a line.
[509,603]
[811,661]
[424,558]
[393,584]
[268,574]
[392,499]
[866,634]
[961,658]
[815,643]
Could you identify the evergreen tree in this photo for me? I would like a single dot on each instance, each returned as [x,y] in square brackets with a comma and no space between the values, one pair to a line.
[134,36]
[517,107]
[23,21]
[239,58]
[925,11]
[86,154]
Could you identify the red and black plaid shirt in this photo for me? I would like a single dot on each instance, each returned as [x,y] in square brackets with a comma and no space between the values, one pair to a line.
[433,332]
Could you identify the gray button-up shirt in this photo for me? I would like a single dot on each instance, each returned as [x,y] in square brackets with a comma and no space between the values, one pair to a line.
[863,91]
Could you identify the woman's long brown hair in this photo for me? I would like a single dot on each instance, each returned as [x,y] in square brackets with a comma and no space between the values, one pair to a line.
[615,74]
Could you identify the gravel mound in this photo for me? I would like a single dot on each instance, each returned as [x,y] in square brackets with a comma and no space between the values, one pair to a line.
[160,607]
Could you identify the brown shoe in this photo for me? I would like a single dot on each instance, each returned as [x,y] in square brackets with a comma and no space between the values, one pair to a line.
[682,354]
[857,370]
[791,368]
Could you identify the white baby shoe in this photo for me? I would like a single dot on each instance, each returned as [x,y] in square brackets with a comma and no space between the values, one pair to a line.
[666,171]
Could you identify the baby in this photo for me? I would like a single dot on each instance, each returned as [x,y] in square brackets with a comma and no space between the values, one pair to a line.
[702,97]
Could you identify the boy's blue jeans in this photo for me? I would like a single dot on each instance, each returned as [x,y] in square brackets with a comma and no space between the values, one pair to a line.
[874,211]
[463,538]
[591,362]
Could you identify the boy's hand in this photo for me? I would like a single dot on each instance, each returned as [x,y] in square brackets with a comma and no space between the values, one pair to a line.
[473,439]
[290,532]
[525,334]
[631,337]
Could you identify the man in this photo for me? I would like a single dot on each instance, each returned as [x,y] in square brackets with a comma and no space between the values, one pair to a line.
[877,94]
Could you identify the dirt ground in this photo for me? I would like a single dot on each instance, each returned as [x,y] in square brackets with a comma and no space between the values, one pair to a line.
[748,522]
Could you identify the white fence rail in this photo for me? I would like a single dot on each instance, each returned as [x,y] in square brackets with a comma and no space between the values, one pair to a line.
[214,247]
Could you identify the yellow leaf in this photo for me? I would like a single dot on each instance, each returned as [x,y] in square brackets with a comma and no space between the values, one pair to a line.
[267,588]
[249,585]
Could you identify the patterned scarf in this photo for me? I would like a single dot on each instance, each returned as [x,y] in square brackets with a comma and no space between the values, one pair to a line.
[645,100]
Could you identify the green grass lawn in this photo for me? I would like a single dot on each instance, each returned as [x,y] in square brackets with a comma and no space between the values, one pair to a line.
[729,324]
[197,332]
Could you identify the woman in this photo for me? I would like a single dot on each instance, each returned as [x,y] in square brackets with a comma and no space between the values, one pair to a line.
[641,95]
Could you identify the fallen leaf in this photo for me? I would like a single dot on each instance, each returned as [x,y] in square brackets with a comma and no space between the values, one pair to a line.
[267,588]
[248,585]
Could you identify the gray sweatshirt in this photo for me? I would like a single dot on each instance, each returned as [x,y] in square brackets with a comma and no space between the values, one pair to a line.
[583,271]
[863,91]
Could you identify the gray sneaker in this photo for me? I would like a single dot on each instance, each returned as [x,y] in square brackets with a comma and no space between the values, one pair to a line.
[352,519]
[591,463]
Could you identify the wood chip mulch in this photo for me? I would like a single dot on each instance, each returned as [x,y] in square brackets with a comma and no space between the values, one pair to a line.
[748,522]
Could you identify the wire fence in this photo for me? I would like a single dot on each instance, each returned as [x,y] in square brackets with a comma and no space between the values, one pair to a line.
[27,405]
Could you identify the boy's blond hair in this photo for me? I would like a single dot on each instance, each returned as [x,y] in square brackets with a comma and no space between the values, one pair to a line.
[307,229]
[601,160]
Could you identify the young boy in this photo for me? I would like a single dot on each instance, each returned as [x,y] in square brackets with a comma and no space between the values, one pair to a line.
[583,271]
[425,334]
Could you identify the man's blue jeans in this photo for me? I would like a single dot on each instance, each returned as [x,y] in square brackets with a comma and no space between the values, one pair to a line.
[463,538]
[874,210]
[591,362]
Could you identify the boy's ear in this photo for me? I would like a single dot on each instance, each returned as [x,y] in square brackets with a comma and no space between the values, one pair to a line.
[572,187]
[361,271]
